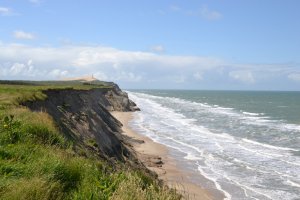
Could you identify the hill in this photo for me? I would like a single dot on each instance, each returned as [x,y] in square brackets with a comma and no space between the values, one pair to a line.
[58,140]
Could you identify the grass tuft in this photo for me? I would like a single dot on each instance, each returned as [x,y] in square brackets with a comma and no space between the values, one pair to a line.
[68,174]
[33,189]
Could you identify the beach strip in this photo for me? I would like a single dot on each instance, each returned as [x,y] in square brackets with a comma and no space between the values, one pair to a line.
[156,158]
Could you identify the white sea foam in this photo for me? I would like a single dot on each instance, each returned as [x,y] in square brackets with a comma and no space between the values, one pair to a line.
[190,156]
[247,117]
[269,146]
[218,186]
[252,114]
[246,162]
[293,183]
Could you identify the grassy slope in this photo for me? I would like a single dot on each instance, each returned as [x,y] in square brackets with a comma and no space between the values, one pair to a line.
[36,162]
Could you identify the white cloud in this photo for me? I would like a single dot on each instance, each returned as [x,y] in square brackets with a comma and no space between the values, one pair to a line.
[17,68]
[19,61]
[198,76]
[104,62]
[176,78]
[25,69]
[243,76]
[179,79]
[204,12]
[57,73]
[210,14]
[4,11]
[23,35]
[158,48]
[101,76]
[294,77]
[128,77]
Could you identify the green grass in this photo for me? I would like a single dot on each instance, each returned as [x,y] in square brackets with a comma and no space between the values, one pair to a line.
[37,162]
[16,92]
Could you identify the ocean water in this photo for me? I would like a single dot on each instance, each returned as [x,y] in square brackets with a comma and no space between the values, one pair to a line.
[246,143]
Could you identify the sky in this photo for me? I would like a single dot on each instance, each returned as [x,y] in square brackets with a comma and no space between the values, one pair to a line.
[165,44]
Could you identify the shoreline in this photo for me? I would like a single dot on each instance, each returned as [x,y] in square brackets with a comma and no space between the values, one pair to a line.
[156,157]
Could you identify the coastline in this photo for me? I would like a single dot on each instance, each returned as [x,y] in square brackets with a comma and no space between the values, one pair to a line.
[156,158]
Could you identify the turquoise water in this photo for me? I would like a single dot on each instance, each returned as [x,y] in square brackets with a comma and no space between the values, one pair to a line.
[246,143]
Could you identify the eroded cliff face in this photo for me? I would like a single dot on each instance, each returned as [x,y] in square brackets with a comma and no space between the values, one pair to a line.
[84,117]
[119,100]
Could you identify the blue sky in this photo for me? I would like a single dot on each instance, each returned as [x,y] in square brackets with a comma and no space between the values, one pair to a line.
[194,44]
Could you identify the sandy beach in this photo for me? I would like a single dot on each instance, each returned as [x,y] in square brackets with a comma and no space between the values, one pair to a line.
[156,158]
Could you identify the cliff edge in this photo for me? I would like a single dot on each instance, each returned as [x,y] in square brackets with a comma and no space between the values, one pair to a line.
[83,116]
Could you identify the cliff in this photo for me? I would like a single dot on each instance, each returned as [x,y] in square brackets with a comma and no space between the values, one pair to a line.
[84,117]
[74,148]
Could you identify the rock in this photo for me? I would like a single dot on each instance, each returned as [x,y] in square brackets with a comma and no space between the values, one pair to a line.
[119,100]
[153,161]
[135,108]
[88,116]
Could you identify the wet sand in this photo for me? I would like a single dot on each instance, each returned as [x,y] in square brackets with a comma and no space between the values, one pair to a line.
[156,158]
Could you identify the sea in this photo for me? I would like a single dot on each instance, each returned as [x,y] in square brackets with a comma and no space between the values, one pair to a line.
[245,143]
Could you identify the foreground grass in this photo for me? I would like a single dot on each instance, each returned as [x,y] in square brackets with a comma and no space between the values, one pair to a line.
[37,162]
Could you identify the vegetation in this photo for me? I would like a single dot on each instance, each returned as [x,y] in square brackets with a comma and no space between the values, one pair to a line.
[37,162]
[15,92]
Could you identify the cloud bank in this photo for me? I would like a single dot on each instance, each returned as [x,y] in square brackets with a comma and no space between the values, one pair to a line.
[294,77]
[149,70]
